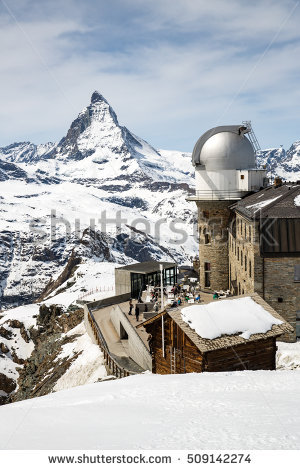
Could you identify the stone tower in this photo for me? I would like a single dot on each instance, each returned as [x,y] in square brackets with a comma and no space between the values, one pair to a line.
[225,171]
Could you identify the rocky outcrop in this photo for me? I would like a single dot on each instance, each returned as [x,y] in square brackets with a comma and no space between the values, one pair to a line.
[7,385]
[43,368]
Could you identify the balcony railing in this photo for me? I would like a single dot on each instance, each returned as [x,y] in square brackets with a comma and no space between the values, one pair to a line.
[218,195]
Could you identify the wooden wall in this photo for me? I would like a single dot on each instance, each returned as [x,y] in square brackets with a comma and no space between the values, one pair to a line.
[252,356]
[187,357]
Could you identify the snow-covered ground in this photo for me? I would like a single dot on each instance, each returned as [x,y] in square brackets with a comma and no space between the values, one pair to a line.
[288,355]
[91,281]
[238,410]
[88,367]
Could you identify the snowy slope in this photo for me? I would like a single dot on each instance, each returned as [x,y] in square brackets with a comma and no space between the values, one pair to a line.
[239,410]
[98,168]
[18,346]
[20,336]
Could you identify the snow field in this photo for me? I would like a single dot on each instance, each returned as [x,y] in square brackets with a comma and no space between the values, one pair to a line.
[238,410]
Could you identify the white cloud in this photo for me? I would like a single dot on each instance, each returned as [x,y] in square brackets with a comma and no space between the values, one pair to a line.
[166,90]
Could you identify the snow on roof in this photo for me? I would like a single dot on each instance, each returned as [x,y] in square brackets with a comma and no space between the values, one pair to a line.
[297,200]
[241,316]
[260,205]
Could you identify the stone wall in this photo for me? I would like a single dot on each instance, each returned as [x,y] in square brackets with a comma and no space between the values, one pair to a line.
[281,291]
[213,220]
[271,278]
[243,250]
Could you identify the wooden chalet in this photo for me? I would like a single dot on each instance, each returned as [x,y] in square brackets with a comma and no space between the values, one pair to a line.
[178,349]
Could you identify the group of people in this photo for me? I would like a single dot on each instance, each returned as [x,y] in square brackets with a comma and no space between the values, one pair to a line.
[181,295]
[184,298]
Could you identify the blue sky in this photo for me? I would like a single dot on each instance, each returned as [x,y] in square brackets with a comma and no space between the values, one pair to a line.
[170,69]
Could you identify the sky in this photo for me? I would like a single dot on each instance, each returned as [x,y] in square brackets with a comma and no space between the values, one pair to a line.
[170,69]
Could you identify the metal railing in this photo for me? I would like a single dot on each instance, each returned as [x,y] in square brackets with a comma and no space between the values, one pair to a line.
[110,361]
[95,290]
[212,194]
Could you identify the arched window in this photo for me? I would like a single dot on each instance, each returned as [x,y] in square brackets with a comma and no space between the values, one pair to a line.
[206,239]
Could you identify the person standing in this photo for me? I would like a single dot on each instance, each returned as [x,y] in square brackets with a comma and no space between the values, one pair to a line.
[137,312]
[130,307]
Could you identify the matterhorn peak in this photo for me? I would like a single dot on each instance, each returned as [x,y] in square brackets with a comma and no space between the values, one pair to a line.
[97,97]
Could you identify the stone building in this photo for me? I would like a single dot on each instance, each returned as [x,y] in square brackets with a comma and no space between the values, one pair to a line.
[225,171]
[264,249]
[249,232]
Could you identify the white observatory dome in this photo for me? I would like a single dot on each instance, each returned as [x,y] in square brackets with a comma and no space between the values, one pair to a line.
[224,148]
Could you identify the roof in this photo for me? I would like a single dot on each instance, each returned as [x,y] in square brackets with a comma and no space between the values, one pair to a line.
[226,341]
[146,267]
[271,202]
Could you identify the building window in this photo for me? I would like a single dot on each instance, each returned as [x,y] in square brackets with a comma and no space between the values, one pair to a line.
[238,253]
[249,232]
[245,231]
[206,239]
[245,263]
[241,258]
[242,177]
[205,214]
[297,273]
[250,269]
[207,274]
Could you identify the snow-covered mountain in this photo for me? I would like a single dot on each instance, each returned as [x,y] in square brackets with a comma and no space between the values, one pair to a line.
[285,164]
[54,199]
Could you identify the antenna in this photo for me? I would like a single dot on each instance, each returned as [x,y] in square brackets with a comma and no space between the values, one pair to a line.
[251,135]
